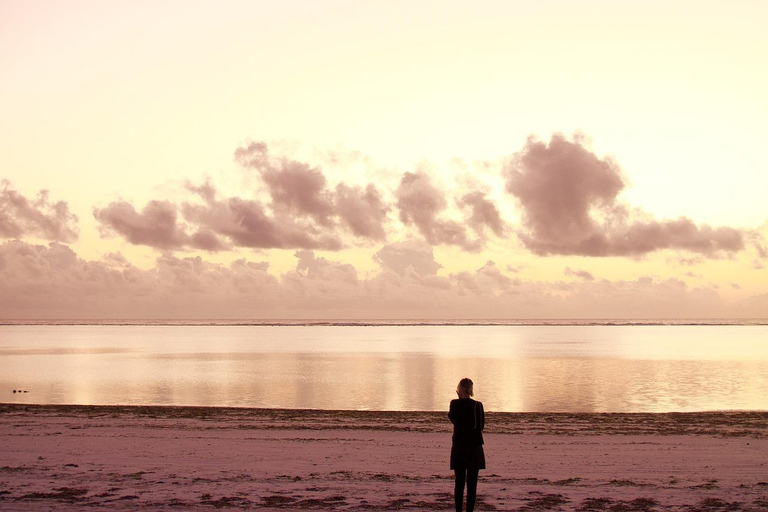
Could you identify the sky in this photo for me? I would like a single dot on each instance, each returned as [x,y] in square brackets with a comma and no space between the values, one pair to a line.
[383,160]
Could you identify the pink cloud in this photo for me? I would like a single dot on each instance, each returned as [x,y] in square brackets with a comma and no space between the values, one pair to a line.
[487,280]
[39,282]
[116,259]
[685,261]
[301,190]
[568,198]
[35,278]
[157,225]
[39,217]
[254,156]
[363,211]
[581,274]
[421,203]
[410,256]
[758,242]
[246,223]
[483,213]
[570,206]
[313,267]
[207,240]
[303,213]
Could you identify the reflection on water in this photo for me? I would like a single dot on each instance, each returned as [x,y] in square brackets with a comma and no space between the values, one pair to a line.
[515,368]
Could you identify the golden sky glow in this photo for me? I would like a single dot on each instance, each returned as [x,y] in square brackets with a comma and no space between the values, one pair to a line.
[106,102]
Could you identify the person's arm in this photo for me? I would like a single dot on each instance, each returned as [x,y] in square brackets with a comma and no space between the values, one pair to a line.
[452,412]
[481,414]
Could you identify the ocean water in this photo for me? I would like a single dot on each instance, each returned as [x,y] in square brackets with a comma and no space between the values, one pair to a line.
[574,368]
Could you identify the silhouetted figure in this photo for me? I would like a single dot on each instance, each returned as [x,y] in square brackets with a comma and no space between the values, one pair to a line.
[467,455]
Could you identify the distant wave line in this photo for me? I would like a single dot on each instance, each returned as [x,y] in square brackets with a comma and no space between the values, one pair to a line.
[394,323]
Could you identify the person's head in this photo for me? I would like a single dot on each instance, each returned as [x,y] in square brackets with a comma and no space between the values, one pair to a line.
[465,387]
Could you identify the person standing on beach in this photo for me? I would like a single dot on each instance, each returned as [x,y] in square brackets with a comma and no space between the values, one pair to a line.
[467,455]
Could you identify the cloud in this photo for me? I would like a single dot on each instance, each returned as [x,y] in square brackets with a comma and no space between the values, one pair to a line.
[301,190]
[569,200]
[116,259]
[20,217]
[487,280]
[755,306]
[255,155]
[643,298]
[363,211]
[36,278]
[420,203]
[246,223]
[686,262]
[758,241]
[39,281]
[410,256]
[302,213]
[483,213]
[581,274]
[157,225]
[214,225]
[297,189]
[315,267]
[175,276]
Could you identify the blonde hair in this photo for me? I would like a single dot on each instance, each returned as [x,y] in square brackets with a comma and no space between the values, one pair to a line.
[467,385]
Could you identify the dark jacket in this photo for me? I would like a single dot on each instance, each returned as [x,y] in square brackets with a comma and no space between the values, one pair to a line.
[468,418]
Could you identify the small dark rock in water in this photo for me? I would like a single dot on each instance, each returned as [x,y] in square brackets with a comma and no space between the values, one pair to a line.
[14,390]
[26,391]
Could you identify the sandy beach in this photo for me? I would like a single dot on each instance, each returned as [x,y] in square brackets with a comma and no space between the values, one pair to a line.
[190,458]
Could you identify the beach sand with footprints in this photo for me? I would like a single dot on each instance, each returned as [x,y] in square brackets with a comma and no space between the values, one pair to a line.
[198,458]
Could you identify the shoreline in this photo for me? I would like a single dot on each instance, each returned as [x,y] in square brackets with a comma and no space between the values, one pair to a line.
[57,457]
[724,423]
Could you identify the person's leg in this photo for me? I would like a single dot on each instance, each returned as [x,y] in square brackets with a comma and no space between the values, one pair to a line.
[458,489]
[471,488]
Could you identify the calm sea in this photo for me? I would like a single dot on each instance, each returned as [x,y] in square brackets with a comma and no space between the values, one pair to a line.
[613,368]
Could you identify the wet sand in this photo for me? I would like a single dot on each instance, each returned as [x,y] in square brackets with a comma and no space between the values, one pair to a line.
[190,458]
